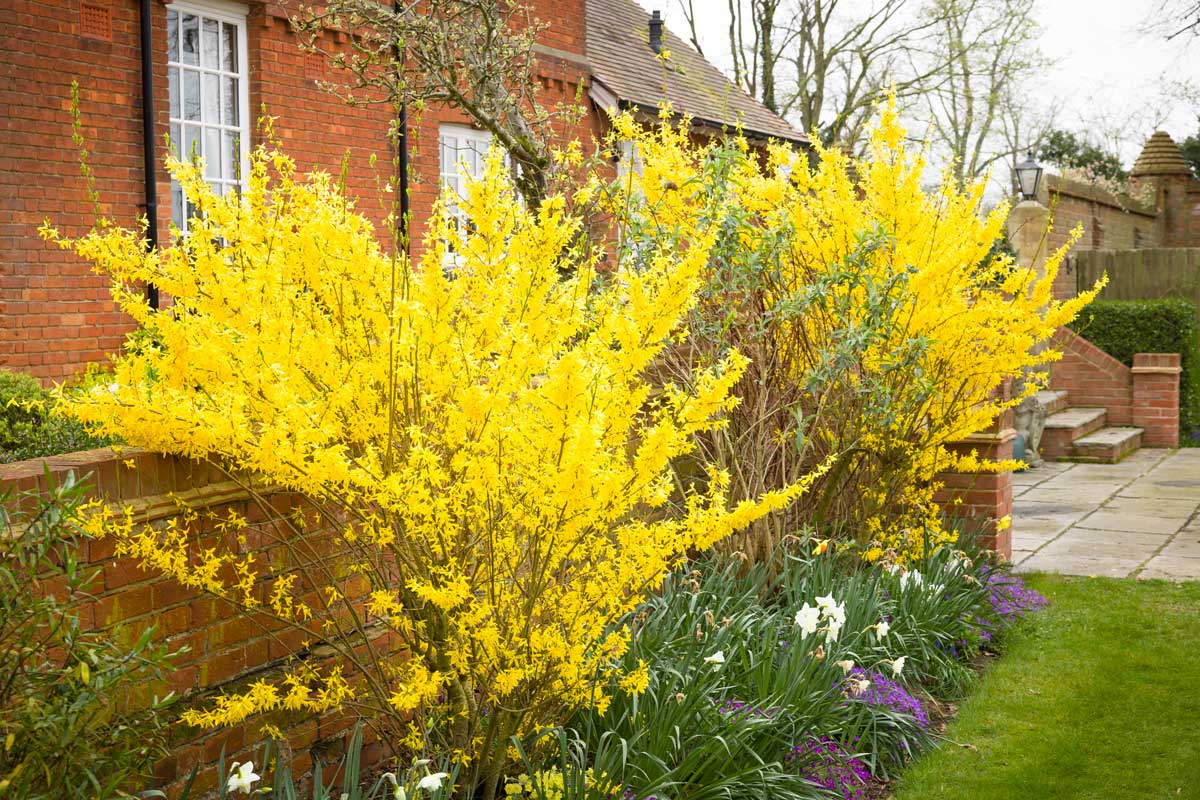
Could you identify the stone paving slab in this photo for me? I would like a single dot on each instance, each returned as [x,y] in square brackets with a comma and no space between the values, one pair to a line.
[1140,517]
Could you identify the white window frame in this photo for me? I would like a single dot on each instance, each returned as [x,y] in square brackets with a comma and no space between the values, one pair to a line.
[465,138]
[233,14]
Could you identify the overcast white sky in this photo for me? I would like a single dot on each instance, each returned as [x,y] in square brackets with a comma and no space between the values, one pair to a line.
[1106,69]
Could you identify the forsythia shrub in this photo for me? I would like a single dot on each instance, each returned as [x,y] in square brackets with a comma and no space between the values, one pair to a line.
[479,430]
[877,319]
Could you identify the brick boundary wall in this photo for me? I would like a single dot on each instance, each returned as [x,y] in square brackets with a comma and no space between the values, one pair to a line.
[1156,397]
[1145,396]
[227,647]
[982,502]
[1092,377]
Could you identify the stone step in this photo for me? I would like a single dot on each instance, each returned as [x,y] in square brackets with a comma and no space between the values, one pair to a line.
[1107,445]
[1063,428]
[1051,400]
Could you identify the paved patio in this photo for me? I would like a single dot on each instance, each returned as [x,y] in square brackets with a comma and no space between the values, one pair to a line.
[1140,517]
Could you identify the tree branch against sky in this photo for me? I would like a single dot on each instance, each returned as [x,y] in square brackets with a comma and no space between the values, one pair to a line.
[474,55]
[823,64]
[990,46]
[1174,19]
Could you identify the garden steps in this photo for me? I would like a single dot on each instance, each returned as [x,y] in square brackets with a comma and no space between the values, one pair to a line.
[1083,433]
[1063,428]
[1107,445]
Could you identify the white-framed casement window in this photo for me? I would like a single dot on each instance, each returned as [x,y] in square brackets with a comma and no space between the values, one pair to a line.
[209,95]
[462,152]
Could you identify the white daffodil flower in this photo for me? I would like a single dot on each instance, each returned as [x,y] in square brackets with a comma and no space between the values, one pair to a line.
[898,666]
[860,686]
[835,628]
[398,792]
[808,618]
[881,630]
[825,603]
[432,782]
[716,659]
[846,666]
[838,613]
[241,778]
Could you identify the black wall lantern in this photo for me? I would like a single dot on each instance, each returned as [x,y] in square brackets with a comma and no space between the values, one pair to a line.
[1029,175]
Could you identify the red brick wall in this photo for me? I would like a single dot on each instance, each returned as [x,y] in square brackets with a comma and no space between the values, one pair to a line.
[982,502]
[225,645]
[1146,396]
[1092,377]
[1156,397]
[55,315]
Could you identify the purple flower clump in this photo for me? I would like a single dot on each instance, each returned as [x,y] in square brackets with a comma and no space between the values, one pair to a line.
[1011,599]
[739,709]
[885,693]
[827,763]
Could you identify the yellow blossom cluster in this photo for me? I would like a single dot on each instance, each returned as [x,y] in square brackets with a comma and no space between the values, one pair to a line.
[880,322]
[482,422]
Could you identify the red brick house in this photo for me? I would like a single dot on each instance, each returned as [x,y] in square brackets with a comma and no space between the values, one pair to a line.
[210,65]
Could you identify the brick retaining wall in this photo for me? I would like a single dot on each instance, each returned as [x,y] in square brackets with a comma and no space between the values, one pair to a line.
[227,647]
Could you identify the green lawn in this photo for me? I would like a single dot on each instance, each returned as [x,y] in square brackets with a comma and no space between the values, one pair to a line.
[1097,697]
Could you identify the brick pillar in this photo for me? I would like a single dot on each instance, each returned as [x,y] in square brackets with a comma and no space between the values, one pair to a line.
[982,502]
[1156,397]
[1027,224]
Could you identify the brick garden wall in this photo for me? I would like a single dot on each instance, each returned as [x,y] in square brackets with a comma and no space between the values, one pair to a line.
[1108,222]
[1145,396]
[982,502]
[56,316]
[226,648]
[1092,377]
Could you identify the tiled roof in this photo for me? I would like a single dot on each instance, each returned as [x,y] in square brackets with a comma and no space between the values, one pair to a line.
[621,59]
[1161,156]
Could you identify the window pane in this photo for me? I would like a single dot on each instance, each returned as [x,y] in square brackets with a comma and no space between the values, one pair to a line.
[231,157]
[229,51]
[177,205]
[172,36]
[176,142]
[212,153]
[208,44]
[212,98]
[173,90]
[191,141]
[191,37]
[229,101]
[191,94]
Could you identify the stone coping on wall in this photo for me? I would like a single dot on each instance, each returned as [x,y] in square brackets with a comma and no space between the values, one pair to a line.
[1057,184]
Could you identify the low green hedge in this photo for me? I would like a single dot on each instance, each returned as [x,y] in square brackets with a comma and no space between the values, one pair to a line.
[29,429]
[1124,327]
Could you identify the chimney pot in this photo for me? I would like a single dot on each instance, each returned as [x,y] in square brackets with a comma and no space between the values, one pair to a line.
[656,31]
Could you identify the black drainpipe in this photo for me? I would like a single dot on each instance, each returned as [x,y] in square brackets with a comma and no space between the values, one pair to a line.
[401,141]
[148,141]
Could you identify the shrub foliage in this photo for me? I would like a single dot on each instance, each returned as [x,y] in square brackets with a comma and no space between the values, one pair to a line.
[77,708]
[878,319]
[479,437]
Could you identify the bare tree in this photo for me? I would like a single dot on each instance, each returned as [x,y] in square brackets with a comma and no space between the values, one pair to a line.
[474,55]
[988,48]
[825,63]
[1173,18]
[1024,127]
